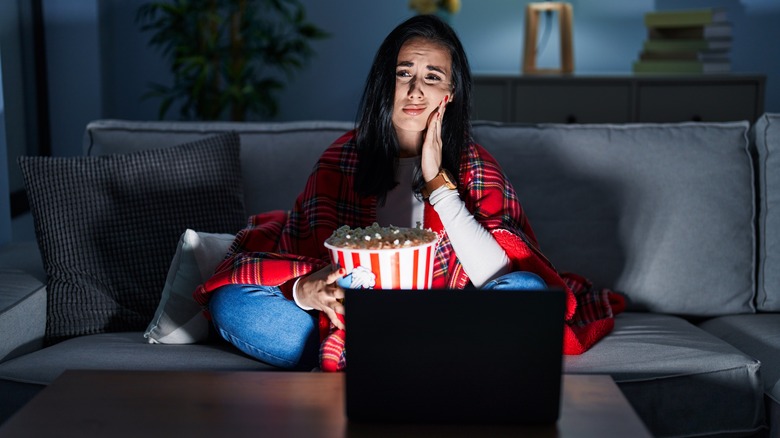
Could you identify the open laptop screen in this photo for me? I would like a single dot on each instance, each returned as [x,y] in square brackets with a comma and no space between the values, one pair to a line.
[454,355]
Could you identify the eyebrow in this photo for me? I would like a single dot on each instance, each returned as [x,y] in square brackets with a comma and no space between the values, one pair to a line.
[430,67]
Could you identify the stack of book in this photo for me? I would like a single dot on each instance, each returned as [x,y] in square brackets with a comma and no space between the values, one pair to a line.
[686,41]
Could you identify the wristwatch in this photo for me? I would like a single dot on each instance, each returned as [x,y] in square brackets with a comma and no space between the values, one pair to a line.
[443,178]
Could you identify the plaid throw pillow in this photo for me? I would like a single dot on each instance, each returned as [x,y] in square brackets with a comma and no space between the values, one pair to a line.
[108,226]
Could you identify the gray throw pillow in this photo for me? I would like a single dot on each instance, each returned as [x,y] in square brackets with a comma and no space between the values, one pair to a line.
[108,227]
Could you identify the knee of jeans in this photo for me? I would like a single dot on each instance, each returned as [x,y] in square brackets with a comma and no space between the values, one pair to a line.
[222,298]
[521,280]
[230,297]
[529,280]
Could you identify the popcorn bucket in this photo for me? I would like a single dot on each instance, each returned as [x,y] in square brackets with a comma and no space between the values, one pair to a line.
[389,268]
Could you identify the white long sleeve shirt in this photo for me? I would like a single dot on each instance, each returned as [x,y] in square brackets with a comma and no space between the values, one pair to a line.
[482,257]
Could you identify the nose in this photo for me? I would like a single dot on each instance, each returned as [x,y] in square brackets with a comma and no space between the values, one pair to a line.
[415,91]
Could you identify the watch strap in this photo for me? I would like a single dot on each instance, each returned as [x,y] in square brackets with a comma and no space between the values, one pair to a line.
[441,179]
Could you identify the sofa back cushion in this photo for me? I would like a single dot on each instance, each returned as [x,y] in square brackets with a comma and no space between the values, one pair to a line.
[276,158]
[766,138]
[663,213]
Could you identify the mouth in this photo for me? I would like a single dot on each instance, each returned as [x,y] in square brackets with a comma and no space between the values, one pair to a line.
[414,110]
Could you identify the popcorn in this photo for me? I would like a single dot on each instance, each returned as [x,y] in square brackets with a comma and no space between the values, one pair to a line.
[384,257]
[376,237]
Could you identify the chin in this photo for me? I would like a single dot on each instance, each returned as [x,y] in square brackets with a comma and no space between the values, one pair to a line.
[412,125]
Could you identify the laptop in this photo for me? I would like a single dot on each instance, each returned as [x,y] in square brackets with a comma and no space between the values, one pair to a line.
[454,356]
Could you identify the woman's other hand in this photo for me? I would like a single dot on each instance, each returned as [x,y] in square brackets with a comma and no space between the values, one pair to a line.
[320,291]
[432,144]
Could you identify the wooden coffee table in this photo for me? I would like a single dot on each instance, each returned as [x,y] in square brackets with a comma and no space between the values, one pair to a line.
[278,404]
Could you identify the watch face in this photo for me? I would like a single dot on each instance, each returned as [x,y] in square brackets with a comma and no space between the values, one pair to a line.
[448,179]
[442,179]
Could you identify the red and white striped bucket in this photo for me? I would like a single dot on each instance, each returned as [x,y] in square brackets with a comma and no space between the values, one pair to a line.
[397,268]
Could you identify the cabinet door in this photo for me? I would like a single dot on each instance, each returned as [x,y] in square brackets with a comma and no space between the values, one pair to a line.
[697,102]
[491,100]
[572,103]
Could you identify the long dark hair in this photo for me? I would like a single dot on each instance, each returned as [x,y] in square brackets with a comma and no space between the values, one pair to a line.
[376,139]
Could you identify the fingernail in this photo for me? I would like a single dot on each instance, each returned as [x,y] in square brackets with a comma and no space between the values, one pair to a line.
[446,98]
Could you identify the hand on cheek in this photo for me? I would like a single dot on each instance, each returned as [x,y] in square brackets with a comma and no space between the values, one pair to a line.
[432,145]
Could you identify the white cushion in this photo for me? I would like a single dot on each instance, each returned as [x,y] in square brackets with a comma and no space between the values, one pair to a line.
[179,318]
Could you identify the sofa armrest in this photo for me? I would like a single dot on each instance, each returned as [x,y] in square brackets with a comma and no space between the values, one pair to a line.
[22,313]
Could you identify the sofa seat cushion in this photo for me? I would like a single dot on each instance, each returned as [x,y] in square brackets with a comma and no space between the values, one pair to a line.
[680,379]
[124,351]
[22,313]
[757,336]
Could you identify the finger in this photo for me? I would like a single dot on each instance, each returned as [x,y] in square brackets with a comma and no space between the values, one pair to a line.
[433,129]
[442,109]
[438,129]
[432,117]
[444,106]
[339,308]
[333,318]
[335,275]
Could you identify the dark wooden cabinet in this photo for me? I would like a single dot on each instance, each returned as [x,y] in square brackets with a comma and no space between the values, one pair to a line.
[618,99]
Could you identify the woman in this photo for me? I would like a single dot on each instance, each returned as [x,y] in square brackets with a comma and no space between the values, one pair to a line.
[410,160]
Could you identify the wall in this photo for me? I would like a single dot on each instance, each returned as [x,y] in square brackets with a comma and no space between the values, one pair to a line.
[100,65]
[9,43]
[492,34]
[332,84]
[74,62]
[608,36]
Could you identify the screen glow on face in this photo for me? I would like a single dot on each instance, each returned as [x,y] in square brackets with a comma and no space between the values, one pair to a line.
[423,79]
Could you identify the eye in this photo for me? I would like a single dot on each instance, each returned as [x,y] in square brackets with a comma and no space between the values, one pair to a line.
[403,75]
[432,78]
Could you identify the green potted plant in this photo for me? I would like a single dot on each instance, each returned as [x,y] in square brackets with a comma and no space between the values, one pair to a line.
[229,58]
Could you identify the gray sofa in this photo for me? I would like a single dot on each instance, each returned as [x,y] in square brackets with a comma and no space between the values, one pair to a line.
[684,219]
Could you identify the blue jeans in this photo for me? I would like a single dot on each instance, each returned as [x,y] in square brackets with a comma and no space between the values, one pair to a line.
[519,280]
[264,324]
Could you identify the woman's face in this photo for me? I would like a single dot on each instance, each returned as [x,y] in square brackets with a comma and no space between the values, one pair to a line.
[423,77]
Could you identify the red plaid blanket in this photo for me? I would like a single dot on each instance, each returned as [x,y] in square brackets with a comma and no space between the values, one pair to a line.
[279,246]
